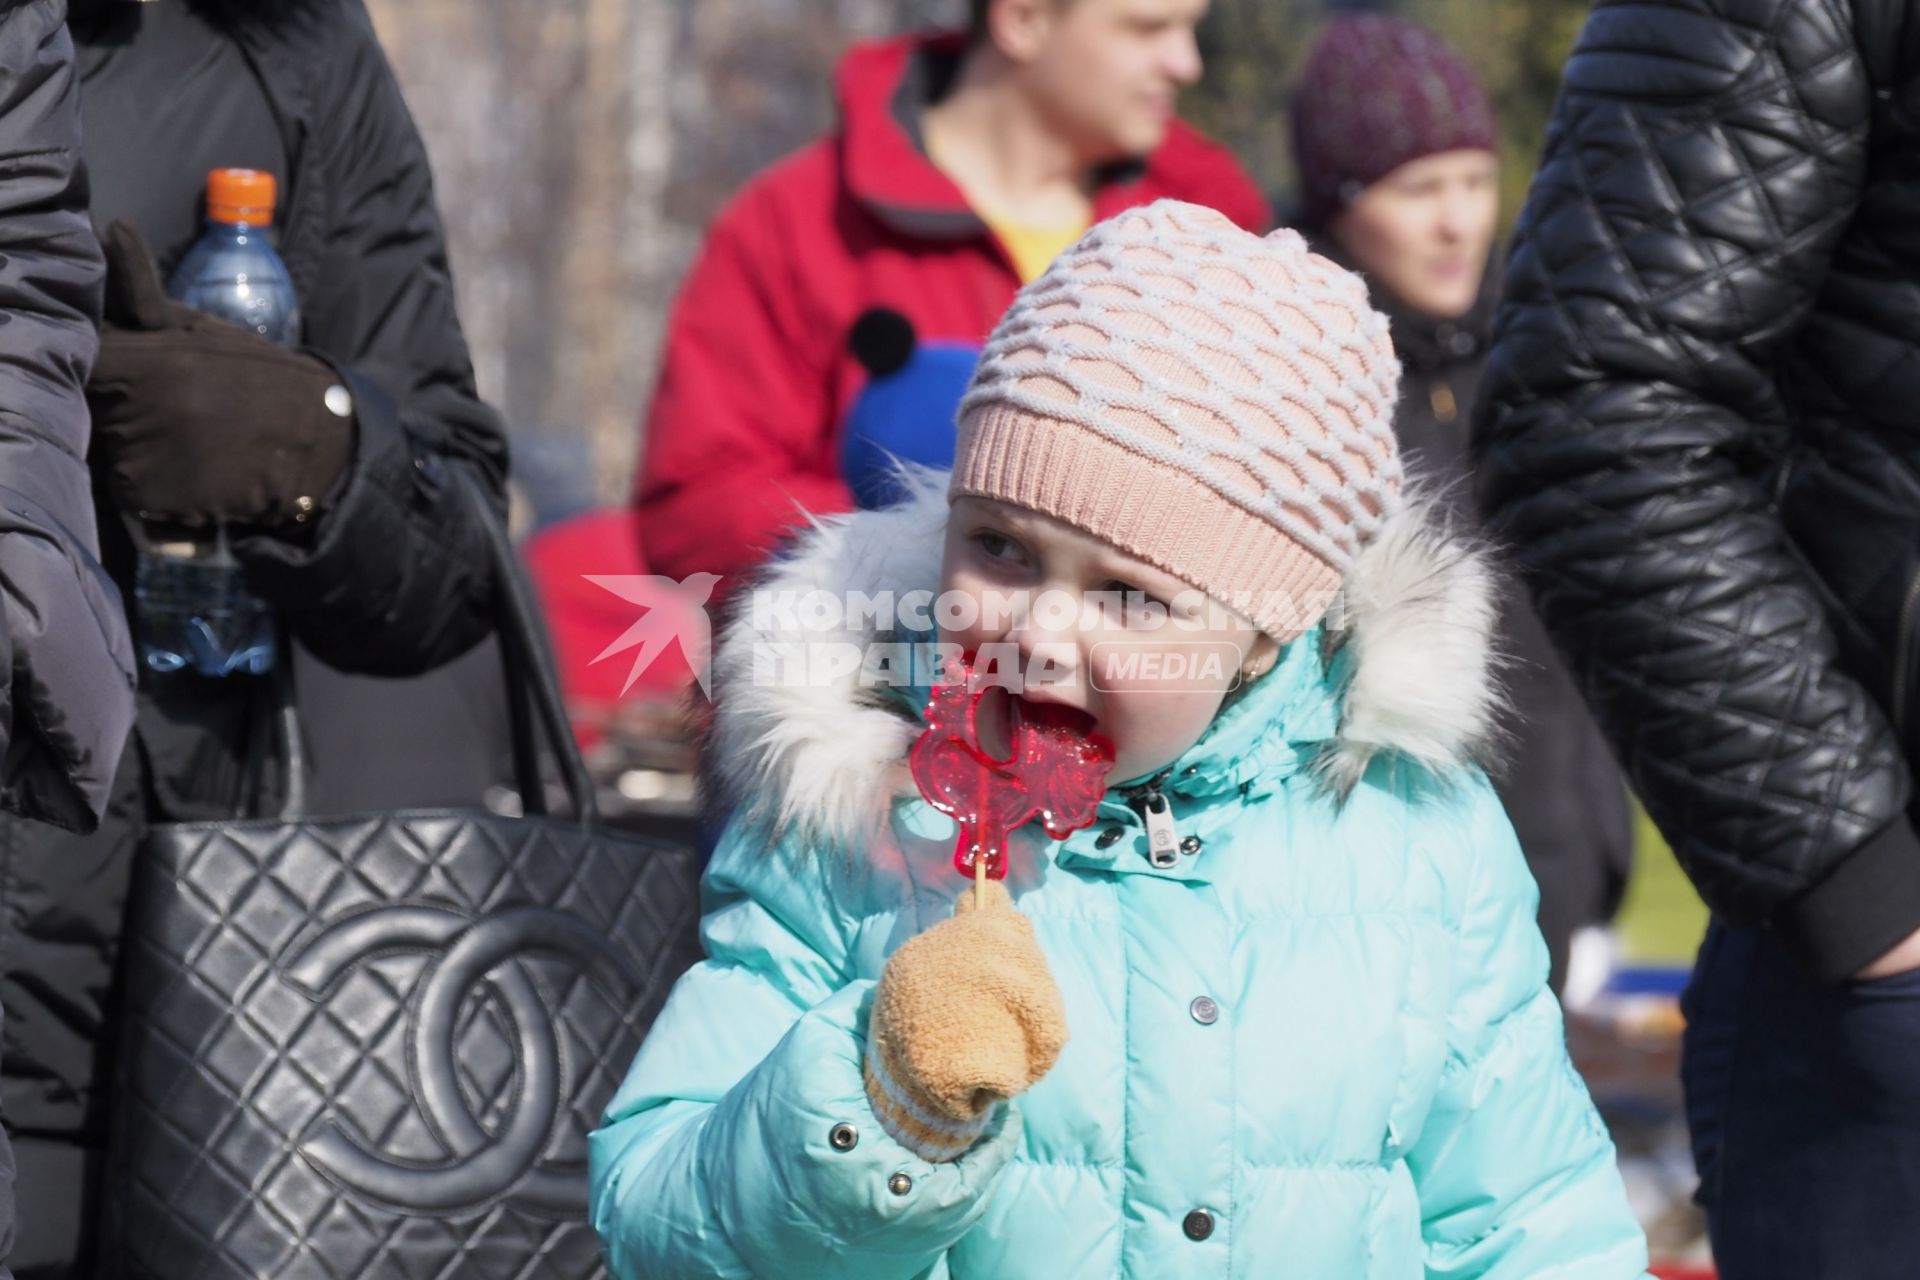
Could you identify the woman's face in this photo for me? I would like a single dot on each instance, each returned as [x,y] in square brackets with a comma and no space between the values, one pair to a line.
[1424,231]
[1144,656]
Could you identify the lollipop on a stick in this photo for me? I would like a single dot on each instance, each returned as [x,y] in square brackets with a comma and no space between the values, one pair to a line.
[1056,769]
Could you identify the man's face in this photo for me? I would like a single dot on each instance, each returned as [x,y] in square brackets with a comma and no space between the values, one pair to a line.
[1424,230]
[1108,73]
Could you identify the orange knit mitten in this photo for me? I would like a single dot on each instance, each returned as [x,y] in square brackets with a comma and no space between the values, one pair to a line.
[965,1016]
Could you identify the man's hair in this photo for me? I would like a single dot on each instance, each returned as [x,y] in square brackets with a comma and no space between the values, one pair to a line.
[977,20]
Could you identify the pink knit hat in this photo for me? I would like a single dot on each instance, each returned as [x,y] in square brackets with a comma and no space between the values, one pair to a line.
[1214,403]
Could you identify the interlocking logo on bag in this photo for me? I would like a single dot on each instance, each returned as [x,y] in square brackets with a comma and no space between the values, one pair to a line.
[485,1166]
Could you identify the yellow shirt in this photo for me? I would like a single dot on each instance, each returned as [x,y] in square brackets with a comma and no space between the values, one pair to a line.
[1032,249]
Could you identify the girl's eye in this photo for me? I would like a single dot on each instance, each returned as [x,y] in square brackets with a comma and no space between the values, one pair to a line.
[998,546]
[1137,605]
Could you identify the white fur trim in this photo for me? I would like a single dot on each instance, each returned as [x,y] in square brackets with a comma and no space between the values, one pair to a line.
[1421,610]
[823,756]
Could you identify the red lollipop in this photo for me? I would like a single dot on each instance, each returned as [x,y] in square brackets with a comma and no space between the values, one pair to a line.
[1057,770]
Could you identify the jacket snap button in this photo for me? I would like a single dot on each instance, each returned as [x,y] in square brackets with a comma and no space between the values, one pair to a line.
[1109,837]
[899,1184]
[1204,1010]
[432,470]
[1191,845]
[1198,1225]
[844,1137]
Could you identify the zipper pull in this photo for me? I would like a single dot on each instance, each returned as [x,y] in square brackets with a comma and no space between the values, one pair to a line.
[1163,838]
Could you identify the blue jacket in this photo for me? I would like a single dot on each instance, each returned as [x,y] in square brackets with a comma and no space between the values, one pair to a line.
[1322,1042]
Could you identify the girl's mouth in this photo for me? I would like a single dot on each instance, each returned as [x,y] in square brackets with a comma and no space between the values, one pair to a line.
[1001,714]
[1055,715]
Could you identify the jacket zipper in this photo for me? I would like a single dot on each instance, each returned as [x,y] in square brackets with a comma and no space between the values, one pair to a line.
[1163,836]
[1903,655]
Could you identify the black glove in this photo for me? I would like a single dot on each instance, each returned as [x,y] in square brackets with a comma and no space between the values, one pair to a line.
[198,422]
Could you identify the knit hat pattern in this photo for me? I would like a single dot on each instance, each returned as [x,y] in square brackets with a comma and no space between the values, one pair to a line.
[1378,92]
[1215,403]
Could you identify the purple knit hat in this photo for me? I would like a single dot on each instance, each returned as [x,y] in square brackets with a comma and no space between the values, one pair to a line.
[1377,92]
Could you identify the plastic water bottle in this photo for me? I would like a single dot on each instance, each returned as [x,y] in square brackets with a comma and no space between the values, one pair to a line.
[191,601]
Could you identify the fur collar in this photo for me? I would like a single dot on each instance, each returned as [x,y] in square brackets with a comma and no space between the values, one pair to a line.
[1418,612]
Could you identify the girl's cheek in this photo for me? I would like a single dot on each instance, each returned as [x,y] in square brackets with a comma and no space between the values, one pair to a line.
[1187,668]
[958,602]
[968,639]
[1187,712]
[1150,731]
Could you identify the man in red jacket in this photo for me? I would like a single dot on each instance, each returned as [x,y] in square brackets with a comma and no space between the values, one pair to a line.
[831,320]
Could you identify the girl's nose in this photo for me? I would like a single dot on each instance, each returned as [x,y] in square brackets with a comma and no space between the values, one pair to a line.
[1051,671]
[1050,662]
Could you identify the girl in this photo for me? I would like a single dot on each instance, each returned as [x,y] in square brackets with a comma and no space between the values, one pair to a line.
[1281,1011]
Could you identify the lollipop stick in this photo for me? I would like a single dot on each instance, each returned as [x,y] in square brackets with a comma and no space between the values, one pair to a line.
[979,878]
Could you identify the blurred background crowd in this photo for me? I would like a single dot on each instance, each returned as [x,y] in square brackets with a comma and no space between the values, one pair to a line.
[581,148]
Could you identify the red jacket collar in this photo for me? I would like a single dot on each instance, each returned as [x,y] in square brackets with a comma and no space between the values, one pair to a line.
[882,86]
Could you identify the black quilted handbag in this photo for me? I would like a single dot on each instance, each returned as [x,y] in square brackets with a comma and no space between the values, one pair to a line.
[374,1046]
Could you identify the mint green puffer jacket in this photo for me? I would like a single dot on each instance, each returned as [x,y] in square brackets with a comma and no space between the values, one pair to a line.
[1320,1047]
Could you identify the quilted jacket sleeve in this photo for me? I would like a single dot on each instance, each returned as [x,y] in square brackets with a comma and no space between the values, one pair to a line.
[715,1158]
[1515,1171]
[1704,159]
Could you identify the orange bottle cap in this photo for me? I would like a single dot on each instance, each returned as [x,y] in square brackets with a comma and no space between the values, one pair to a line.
[241,195]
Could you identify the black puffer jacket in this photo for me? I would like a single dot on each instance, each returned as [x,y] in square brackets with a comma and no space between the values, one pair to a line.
[1699,432]
[66,667]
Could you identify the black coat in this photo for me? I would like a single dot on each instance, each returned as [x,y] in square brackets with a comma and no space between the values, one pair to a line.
[1699,434]
[393,580]
[66,668]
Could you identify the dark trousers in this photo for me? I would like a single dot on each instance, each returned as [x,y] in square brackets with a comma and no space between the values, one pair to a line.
[1804,1105]
[58,1190]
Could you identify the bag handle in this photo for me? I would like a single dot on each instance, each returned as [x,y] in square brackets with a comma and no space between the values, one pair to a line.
[533,688]
[536,710]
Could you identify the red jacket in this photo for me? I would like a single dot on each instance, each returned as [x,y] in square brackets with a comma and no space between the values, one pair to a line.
[744,430]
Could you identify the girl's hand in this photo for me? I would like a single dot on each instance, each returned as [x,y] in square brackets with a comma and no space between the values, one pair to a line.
[965,1016]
